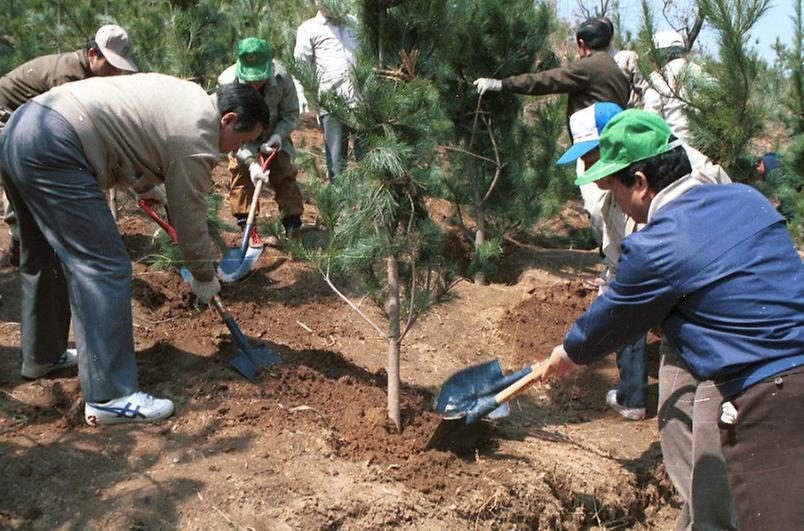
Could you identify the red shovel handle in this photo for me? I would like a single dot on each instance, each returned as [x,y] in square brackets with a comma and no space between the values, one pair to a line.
[146,206]
[265,162]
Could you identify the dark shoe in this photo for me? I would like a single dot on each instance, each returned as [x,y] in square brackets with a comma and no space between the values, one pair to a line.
[14,253]
[292,226]
[34,370]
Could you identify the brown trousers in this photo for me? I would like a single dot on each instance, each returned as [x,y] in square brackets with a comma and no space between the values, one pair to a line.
[764,451]
[283,181]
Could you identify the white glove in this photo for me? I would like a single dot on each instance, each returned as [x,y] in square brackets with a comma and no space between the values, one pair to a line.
[153,195]
[485,84]
[257,175]
[205,289]
[275,142]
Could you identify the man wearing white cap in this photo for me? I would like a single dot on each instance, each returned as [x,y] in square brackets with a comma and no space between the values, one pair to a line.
[106,54]
[665,94]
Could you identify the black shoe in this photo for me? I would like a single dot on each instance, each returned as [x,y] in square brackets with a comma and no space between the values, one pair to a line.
[292,226]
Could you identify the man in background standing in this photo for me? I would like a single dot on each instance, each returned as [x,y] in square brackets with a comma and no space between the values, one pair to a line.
[665,93]
[108,53]
[327,43]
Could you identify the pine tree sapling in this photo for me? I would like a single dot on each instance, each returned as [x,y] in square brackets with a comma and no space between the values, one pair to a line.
[377,233]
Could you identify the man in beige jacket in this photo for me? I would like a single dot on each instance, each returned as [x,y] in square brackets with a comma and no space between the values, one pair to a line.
[106,54]
[58,153]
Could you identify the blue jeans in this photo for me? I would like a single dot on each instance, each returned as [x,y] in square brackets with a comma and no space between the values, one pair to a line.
[72,262]
[336,144]
[633,374]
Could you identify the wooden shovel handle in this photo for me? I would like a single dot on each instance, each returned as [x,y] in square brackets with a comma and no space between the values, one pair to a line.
[254,200]
[265,162]
[523,383]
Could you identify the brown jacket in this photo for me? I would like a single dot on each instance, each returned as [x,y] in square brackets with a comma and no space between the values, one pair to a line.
[147,129]
[588,80]
[39,75]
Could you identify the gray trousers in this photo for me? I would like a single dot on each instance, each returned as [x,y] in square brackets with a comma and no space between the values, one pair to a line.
[336,144]
[690,438]
[70,251]
[8,211]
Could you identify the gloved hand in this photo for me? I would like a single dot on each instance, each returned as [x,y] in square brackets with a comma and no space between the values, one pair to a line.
[485,84]
[205,289]
[275,142]
[153,195]
[257,175]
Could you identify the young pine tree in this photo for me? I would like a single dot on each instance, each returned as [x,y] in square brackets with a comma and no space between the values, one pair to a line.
[726,109]
[377,231]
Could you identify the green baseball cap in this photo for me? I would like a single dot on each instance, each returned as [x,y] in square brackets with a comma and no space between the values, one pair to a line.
[254,60]
[629,137]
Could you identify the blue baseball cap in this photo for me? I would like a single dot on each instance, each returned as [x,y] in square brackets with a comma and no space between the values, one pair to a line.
[585,126]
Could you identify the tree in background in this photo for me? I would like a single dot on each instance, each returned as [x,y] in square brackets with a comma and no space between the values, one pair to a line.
[791,63]
[726,110]
[501,159]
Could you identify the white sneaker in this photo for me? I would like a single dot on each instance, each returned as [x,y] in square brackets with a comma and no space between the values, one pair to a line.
[136,407]
[631,413]
[35,370]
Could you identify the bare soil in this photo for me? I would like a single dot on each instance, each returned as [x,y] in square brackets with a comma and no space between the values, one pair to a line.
[308,446]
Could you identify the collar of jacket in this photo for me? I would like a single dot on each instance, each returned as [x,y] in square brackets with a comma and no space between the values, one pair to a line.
[672,191]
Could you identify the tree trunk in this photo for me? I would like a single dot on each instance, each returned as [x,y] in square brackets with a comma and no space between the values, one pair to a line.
[380,52]
[480,237]
[480,210]
[393,343]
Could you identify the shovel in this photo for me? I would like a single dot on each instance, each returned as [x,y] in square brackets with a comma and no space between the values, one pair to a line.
[237,262]
[248,358]
[473,393]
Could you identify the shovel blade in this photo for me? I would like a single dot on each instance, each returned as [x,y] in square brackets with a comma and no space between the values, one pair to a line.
[261,357]
[242,364]
[249,360]
[461,390]
[186,276]
[234,266]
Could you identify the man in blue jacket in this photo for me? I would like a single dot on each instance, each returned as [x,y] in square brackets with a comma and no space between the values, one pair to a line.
[715,268]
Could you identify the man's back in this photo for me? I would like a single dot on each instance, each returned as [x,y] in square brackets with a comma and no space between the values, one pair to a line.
[732,277]
[330,48]
[40,75]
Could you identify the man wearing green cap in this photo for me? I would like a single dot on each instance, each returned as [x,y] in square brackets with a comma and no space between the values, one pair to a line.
[715,267]
[255,66]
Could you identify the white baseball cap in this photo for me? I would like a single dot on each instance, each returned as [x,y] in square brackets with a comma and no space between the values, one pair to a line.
[115,46]
[585,126]
[667,39]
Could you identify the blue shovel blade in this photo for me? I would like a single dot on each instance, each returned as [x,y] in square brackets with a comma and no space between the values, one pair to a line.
[233,267]
[243,365]
[470,392]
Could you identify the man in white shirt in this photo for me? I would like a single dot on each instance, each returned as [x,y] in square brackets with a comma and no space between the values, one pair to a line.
[665,93]
[327,42]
